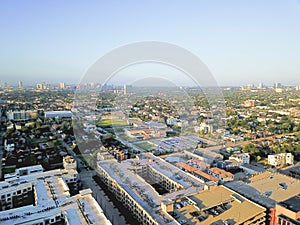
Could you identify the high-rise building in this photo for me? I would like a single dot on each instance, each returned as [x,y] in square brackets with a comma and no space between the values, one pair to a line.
[20,85]
[127,89]
[62,85]
[41,86]
[250,86]
[278,85]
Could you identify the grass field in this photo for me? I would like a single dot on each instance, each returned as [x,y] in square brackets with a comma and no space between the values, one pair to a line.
[112,122]
[124,137]
[145,145]
[38,141]
[9,170]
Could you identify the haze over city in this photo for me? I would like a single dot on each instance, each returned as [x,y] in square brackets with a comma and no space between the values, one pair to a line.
[240,42]
[149,112]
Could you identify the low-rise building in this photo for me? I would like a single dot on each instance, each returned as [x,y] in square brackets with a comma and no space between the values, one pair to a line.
[58,114]
[281,159]
[206,155]
[250,169]
[218,205]
[241,157]
[267,189]
[221,174]
[29,170]
[21,115]
[69,163]
[288,211]
[197,172]
[228,165]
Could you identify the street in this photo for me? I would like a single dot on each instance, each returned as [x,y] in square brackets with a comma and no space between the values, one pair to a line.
[112,213]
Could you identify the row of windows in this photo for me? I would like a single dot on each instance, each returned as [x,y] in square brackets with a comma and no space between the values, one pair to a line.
[49,221]
[128,201]
[16,193]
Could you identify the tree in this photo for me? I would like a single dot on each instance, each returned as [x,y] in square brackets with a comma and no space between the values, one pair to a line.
[250,148]
[258,158]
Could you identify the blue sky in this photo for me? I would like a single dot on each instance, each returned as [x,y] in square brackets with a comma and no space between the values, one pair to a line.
[240,41]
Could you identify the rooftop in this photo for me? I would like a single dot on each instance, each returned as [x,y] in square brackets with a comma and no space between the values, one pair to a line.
[52,198]
[143,192]
[292,203]
[280,187]
[220,172]
[218,204]
[82,208]
[79,209]
[196,171]
[253,167]
[251,193]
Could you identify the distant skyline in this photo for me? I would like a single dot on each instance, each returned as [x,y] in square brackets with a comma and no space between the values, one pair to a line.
[241,42]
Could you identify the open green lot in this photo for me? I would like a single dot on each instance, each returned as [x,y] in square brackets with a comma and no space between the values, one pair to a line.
[39,140]
[112,122]
[145,145]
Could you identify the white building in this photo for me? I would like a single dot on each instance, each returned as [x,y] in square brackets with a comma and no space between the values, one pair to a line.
[281,159]
[131,181]
[174,121]
[69,163]
[29,170]
[21,115]
[52,202]
[9,145]
[206,128]
[241,158]
[58,114]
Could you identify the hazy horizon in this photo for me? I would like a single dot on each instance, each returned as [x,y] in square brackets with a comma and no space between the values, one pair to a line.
[240,42]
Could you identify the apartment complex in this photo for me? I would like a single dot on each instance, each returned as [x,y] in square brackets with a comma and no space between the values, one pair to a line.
[42,198]
[146,186]
[281,159]
[17,190]
[21,115]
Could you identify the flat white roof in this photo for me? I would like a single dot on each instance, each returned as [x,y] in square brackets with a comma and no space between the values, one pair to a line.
[52,198]
[143,192]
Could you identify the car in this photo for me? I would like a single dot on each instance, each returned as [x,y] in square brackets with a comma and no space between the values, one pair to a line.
[183,222]
[201,218]
[178,206]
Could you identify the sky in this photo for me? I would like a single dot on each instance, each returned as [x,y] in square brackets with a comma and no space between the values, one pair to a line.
[241,42]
